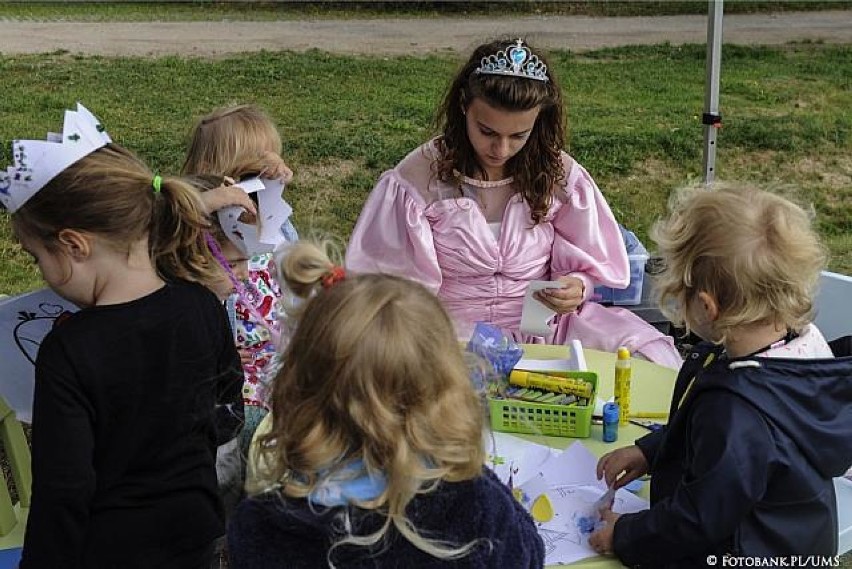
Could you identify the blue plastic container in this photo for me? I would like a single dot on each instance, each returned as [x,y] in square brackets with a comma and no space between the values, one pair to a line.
[632,295]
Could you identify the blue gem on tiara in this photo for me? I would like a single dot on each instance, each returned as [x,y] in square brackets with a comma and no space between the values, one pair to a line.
[517,61]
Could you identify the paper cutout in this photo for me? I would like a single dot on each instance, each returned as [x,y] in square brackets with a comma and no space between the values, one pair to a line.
[575,466]
[24,322]
[36,162]
[272,211]
[535,317]
[542,509]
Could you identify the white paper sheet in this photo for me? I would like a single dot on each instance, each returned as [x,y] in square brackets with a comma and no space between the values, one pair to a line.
[576,465]
[535,316]
[566,536]
[513,458]
[24,322]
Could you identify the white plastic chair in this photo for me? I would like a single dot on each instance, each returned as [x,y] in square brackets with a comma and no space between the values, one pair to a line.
[834,319]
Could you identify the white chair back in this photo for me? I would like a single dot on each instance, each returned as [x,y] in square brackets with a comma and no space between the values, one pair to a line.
[834,305]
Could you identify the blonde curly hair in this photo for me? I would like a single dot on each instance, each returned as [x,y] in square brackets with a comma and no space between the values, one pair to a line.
[373,372]
[754,251]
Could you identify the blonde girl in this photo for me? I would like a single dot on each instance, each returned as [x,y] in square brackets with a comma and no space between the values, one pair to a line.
[133,391]
[375,453]
[237,141]
[234,143]
[234,139]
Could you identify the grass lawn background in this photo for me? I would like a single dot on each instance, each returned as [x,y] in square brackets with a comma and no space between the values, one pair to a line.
[633,122]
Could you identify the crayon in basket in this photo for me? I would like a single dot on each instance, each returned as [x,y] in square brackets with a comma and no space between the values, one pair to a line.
[540,396]
[567,385]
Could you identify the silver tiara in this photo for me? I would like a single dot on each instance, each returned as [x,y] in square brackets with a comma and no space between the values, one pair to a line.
[517,61]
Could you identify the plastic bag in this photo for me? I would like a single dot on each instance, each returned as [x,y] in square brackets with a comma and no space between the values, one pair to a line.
[501,351]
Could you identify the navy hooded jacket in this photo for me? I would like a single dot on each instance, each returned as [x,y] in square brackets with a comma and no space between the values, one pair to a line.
[745,465]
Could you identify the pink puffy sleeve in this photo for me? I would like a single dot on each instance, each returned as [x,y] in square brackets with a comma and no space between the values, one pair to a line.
[393,236]
[587,242]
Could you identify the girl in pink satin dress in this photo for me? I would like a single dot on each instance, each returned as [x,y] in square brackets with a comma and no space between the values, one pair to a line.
[493,203]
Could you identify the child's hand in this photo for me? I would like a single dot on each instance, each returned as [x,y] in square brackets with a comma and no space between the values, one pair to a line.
[563,300]
[274,168]
[601,540]
[227,195]
[628,460]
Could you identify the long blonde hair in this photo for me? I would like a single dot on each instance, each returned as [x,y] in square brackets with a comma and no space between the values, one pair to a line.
[110,193]
[753,250]
[231,141]
[373,372]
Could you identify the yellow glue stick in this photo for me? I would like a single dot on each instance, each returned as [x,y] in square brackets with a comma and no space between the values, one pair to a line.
[622,385]
[574,386]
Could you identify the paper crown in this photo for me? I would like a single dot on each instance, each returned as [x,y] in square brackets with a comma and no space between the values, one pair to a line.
[37,162]
[517,61]
[272,212]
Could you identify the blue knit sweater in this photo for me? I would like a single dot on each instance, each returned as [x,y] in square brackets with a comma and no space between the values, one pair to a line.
[269,531]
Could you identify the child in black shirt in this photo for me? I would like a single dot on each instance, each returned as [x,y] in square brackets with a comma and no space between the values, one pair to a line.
[127,390]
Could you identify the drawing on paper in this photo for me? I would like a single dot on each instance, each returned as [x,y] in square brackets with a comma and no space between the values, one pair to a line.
[33,326]
[566,535]
[553,538]
[515,460]
[24,322]
[559,489]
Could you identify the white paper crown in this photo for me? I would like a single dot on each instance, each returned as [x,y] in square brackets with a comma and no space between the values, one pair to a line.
[272,212]
[37,162]
[517,61]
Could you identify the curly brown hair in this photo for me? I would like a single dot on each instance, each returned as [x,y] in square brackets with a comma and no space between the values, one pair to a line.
[537,168]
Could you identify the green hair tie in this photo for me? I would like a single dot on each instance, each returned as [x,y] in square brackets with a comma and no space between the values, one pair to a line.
[157,182]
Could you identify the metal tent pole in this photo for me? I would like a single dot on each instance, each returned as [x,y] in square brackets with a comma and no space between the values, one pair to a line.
[711,119]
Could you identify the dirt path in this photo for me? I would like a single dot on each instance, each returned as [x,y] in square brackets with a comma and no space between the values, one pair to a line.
[410,36]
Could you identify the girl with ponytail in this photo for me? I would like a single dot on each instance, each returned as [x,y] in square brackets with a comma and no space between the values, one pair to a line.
[127,389]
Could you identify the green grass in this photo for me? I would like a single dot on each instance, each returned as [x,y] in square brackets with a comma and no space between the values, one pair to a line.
[633,115]
[209,10]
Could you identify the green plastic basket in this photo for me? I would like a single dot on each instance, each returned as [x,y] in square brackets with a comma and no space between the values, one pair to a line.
[514,416]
